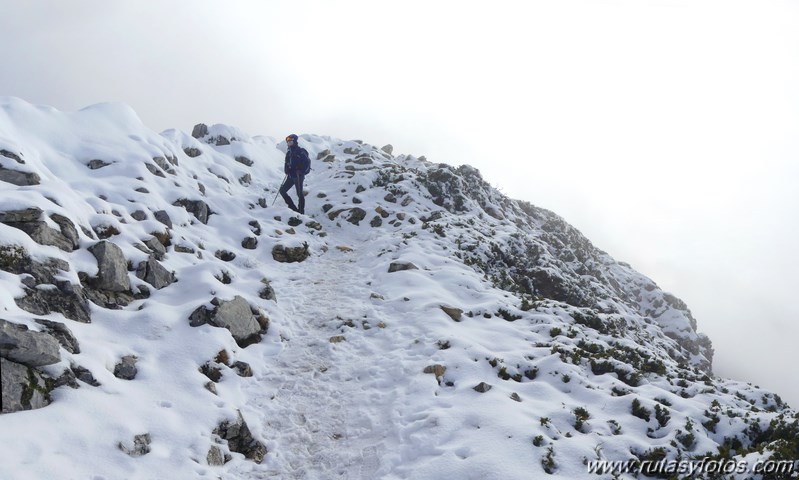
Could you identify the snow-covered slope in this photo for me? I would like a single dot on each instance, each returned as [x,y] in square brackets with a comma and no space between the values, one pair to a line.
[429,327]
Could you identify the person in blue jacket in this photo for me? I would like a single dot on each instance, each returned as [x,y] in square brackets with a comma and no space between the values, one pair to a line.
[296,166]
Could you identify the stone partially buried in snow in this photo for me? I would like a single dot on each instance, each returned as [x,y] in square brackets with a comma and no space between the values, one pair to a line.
[61,333]
[198,208]
[23,388]
[21,345]
[154,273]
[240,439]
[454,313]
[400,266]
[234,315]
[285,254]
[113,268]
[18,178]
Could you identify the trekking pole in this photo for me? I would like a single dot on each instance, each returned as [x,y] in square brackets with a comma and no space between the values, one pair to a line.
[279,189]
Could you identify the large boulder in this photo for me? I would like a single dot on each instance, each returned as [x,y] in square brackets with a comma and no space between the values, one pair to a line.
[21,345]
[28,220]
[235,315]
[23,387]
[113,274]
[61,333]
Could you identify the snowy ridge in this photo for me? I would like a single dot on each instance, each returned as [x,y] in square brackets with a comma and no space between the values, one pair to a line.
[361,372]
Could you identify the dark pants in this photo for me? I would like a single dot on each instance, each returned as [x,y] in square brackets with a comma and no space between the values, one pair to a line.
[296,182]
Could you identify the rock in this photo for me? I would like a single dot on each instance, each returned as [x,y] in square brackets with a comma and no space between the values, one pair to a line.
[21,179]
[389,149]
[294,222]
[198,208]
[126,368]
[84,375]
[240,439]
[244,161]
[24,346]
[337,339]
[285,254]
[113,275]
[163,217]
[220,140]
[245,179]
[225,255]
[156,247]
[323,154]
[30,214]
[23,388]
[313,224]
[61,333]
[267,293]
[154,170]
[390,198]
[399,266]
[192,152]
[243,369]
[216,457]
[250,243]
[139,215]
[515,397]
[154,273]
[356,215]
[66,299]
[141,445]
[200,130]
[161,162]
[234,315]
[363,160]
[482,387]
[213,373]
[376,221]
[11,155]
[356,200]
[454,313]
[97,164]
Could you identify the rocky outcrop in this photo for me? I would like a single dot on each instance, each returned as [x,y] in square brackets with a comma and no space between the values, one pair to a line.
[67,299]
[285,254]
[235,315]
[240,439]
[21,345]
[62,334]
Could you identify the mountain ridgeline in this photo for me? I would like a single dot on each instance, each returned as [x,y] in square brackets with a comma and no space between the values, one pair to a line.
[416,320]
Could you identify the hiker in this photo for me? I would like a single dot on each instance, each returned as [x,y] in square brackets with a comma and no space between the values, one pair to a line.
[297,165]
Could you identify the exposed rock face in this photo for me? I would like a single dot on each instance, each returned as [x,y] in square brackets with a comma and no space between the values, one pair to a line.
[23,388]
[198,208]
[16,177]
[113,275]
[154,273]
[399,266]
[240,439]
[290,254]
[21,345]
[234,315]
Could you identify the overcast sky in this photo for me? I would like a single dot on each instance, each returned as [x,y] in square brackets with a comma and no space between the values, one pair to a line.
[666,131]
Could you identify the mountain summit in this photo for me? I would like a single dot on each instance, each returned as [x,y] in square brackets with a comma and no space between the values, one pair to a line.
[161,318]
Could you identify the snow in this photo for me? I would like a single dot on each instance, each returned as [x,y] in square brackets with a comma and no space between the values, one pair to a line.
[361,408]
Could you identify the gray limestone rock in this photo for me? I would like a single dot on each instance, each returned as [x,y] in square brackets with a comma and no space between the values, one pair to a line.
[200,130]
[113,274]
[126,368]
[399,266]
[141,445]
[154,273]
[97,164]
[23,388]
[163,217]
[24,346]
[198,208]
[234,315]
[61,333]
[67,299]
[240,439]
[16,177]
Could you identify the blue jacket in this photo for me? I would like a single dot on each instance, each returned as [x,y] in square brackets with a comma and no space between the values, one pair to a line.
[297,161]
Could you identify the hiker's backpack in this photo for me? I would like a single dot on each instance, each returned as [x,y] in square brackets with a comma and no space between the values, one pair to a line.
[306,160]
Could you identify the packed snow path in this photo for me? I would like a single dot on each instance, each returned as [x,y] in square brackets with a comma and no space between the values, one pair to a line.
[333,405]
